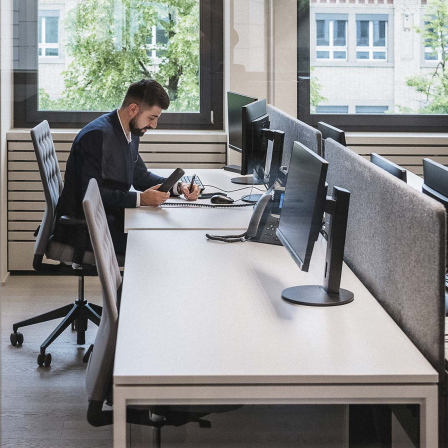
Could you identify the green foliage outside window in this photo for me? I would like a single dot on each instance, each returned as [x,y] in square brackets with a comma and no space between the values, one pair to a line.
[109,45]
[434,85]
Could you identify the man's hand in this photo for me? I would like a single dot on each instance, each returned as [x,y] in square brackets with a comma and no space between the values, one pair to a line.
[153,197]
[185,190]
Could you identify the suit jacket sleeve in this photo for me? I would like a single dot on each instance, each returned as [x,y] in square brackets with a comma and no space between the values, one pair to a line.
[143,179]
[89,162]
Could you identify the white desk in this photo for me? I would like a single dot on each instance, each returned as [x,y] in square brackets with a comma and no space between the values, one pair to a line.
[222,334]
[187,218]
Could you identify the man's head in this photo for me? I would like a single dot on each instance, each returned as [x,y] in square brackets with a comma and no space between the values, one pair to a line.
[143,104]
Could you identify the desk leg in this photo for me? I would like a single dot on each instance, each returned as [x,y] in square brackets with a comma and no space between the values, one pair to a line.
[429,420]
[120,417]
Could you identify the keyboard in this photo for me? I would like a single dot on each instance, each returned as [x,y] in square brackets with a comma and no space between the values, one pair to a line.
[197,181]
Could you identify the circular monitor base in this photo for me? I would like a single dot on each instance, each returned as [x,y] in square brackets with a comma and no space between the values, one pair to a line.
[249,180]
[314,295]
[252,198]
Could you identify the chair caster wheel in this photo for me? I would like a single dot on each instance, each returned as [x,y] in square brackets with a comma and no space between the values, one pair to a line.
[16,339]
[44,359]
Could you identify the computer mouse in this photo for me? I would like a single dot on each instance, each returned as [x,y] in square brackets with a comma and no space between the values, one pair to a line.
[217,199]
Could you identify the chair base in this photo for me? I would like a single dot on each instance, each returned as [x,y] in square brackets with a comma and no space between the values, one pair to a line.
[77,315]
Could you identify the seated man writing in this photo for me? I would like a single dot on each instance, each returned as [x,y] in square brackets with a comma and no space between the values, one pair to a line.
[107,150]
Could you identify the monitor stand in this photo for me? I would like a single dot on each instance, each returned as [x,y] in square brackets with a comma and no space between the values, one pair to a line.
[330,294]
[232,168]
[247,180]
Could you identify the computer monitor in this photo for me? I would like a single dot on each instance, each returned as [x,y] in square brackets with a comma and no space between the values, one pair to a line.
[435,184]
[265,158]
[329,131]
[389,166]
[304,204]
[235,103]
[435,181]
[253,111]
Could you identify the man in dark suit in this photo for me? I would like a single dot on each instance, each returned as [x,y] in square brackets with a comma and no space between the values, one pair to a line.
[107,150]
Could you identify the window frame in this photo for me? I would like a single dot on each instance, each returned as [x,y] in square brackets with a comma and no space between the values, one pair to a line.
[350,122]
[210,117]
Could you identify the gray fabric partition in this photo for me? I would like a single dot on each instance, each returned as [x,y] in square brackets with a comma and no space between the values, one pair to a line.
[295,130]
[396,246]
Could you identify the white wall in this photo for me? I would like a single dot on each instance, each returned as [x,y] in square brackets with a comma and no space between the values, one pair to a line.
[6,103]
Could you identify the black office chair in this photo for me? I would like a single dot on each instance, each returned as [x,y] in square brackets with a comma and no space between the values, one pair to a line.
[73,261]
[100,368]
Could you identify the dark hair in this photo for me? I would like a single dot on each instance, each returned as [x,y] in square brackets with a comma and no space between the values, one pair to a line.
[147,91]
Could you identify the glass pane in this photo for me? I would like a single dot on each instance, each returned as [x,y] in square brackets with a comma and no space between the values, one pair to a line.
[332,109]
[379,33]
[51,52]
[379,55]
[371,109]
[362,55]
[39,30]
[322,33]
[339,39]
[362,33]
[339,55]
[39,52]
[323,55]
[109,44]
[51,30]
[409,84]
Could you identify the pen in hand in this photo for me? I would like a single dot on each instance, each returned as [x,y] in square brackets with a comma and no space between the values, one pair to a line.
[192,183]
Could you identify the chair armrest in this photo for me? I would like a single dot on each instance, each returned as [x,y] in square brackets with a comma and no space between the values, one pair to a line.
[71,221]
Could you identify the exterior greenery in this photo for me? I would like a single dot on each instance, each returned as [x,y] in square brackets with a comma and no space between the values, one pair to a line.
[109,46]
[434,85]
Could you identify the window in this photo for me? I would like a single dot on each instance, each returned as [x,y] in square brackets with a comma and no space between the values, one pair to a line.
[110,44]
[332,109]
[331,37]
[371,39]
[433,49]
[48,33]
[371,109]
[386,84]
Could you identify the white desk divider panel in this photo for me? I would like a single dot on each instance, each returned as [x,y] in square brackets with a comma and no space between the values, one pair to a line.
[396,242]
[26,202]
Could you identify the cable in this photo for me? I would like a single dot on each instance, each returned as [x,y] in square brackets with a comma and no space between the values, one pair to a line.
[238,189]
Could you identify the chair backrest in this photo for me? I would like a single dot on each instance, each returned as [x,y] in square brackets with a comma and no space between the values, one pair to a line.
[101,362]
[51,181]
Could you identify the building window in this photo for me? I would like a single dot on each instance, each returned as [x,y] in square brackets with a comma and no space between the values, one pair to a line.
[371,39]
[332,109]
[107,46]
[331,37]
[433,50]
[371,109]
[48,33]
